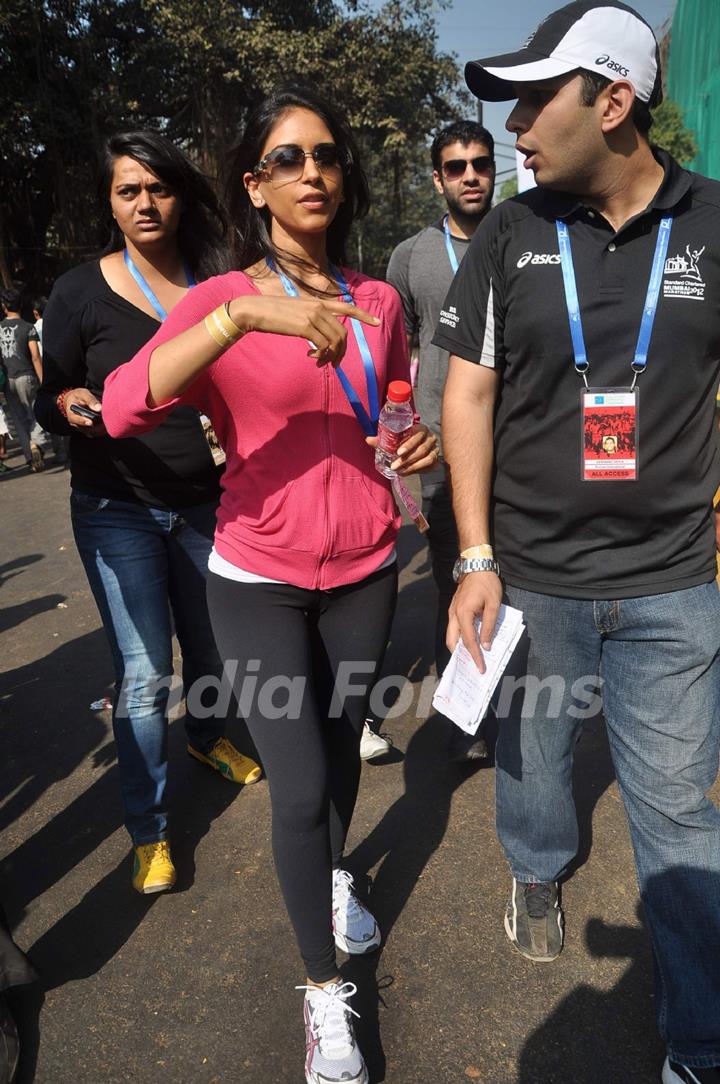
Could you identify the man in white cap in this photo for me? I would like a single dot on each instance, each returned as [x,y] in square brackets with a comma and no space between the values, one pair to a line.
[578,300]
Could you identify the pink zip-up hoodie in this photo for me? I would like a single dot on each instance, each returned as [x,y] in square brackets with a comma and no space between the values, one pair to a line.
[302,501]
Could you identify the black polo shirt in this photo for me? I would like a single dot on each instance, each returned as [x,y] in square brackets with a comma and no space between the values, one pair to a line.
[506,309]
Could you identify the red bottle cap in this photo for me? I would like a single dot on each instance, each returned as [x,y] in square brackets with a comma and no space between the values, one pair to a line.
[399,391]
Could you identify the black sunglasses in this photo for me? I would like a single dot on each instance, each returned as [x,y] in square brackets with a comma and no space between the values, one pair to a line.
[287,163]
[455,167]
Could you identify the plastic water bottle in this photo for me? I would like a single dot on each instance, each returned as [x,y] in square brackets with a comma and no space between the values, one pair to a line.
[396,417]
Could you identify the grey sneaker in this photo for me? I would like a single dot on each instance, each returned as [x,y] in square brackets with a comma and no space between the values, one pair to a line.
[372,744]
[332,1052]
[466,748]
[355,929]
[534,920]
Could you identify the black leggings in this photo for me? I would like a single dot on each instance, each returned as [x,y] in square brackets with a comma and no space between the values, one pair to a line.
[310,750]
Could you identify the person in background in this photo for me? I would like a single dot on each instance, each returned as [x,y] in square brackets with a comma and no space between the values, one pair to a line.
[303,576]
[422,269]
[143,508]
[60,444]
[4,431]
[38,309]
[22,364]
[614,572]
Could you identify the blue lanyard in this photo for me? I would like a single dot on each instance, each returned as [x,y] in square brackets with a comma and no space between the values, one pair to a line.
[368,423]
[145,286]
[653,292]
[449,246]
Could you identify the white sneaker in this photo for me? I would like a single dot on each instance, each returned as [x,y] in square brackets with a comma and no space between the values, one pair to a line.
[356,931]
[332,1052]
[372,744]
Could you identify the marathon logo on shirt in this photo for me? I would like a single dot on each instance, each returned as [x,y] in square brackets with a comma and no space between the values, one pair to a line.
[682,276]
[450,317]
[538,259]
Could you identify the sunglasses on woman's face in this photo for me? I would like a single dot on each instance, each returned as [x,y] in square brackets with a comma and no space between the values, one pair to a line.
[287,163]
[455,167]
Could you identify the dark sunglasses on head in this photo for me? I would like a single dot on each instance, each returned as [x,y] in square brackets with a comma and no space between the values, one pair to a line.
[287,163]
[455,167]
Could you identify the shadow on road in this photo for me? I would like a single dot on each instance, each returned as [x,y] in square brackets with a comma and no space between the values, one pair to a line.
[595,1035]
[47,733]
[46,726]
[13,568]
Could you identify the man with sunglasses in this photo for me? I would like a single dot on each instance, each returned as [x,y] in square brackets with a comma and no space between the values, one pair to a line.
[421,269]
[581,310]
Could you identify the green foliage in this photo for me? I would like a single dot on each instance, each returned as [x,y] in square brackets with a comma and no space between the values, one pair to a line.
[669,131]
[508,189]
[78,70]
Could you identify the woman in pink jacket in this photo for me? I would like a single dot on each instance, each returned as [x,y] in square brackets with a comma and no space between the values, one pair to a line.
[303,576]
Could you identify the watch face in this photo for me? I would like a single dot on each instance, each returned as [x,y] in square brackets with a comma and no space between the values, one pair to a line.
[457,569]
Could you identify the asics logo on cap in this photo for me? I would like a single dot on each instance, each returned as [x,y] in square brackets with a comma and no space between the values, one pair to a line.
[585,34]
[613,65]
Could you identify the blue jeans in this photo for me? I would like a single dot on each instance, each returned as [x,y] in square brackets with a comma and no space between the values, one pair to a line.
[142,564]
[658,658]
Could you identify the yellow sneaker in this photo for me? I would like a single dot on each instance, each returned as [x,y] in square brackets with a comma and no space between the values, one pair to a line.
[153,870]
[226,759]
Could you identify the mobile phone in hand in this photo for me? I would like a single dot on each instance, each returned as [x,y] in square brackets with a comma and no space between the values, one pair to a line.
[86,412]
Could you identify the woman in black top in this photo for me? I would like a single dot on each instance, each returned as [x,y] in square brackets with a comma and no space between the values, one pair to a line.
[143,509]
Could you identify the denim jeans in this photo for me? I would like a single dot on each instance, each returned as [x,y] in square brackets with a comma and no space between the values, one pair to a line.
[147,568]
[658,658]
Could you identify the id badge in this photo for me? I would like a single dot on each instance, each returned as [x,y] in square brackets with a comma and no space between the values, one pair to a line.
[609,434]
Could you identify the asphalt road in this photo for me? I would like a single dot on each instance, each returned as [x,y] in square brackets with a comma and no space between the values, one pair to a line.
[197,985]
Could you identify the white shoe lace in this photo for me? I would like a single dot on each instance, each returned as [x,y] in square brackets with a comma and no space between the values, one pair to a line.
[329,1017]
[343,885]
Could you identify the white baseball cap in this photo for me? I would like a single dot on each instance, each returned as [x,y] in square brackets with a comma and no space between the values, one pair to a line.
[603,36]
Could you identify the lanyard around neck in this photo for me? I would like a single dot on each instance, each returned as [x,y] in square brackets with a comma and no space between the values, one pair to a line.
[145,285]
[452,255]
[368,422]
[639,362]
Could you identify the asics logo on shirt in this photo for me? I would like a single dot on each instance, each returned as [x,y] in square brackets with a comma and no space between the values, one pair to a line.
[538,258]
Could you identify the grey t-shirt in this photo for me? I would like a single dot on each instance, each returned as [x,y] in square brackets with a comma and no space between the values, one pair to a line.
[420,271]
[15,334]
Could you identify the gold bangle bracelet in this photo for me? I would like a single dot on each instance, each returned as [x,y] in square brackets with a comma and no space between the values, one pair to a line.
[213,332]
[230,337]
[226,307]
[226,322]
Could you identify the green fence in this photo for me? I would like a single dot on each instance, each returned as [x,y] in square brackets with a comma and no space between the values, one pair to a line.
[693,79]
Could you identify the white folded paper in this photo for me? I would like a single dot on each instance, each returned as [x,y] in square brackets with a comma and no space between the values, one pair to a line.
[463,693]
